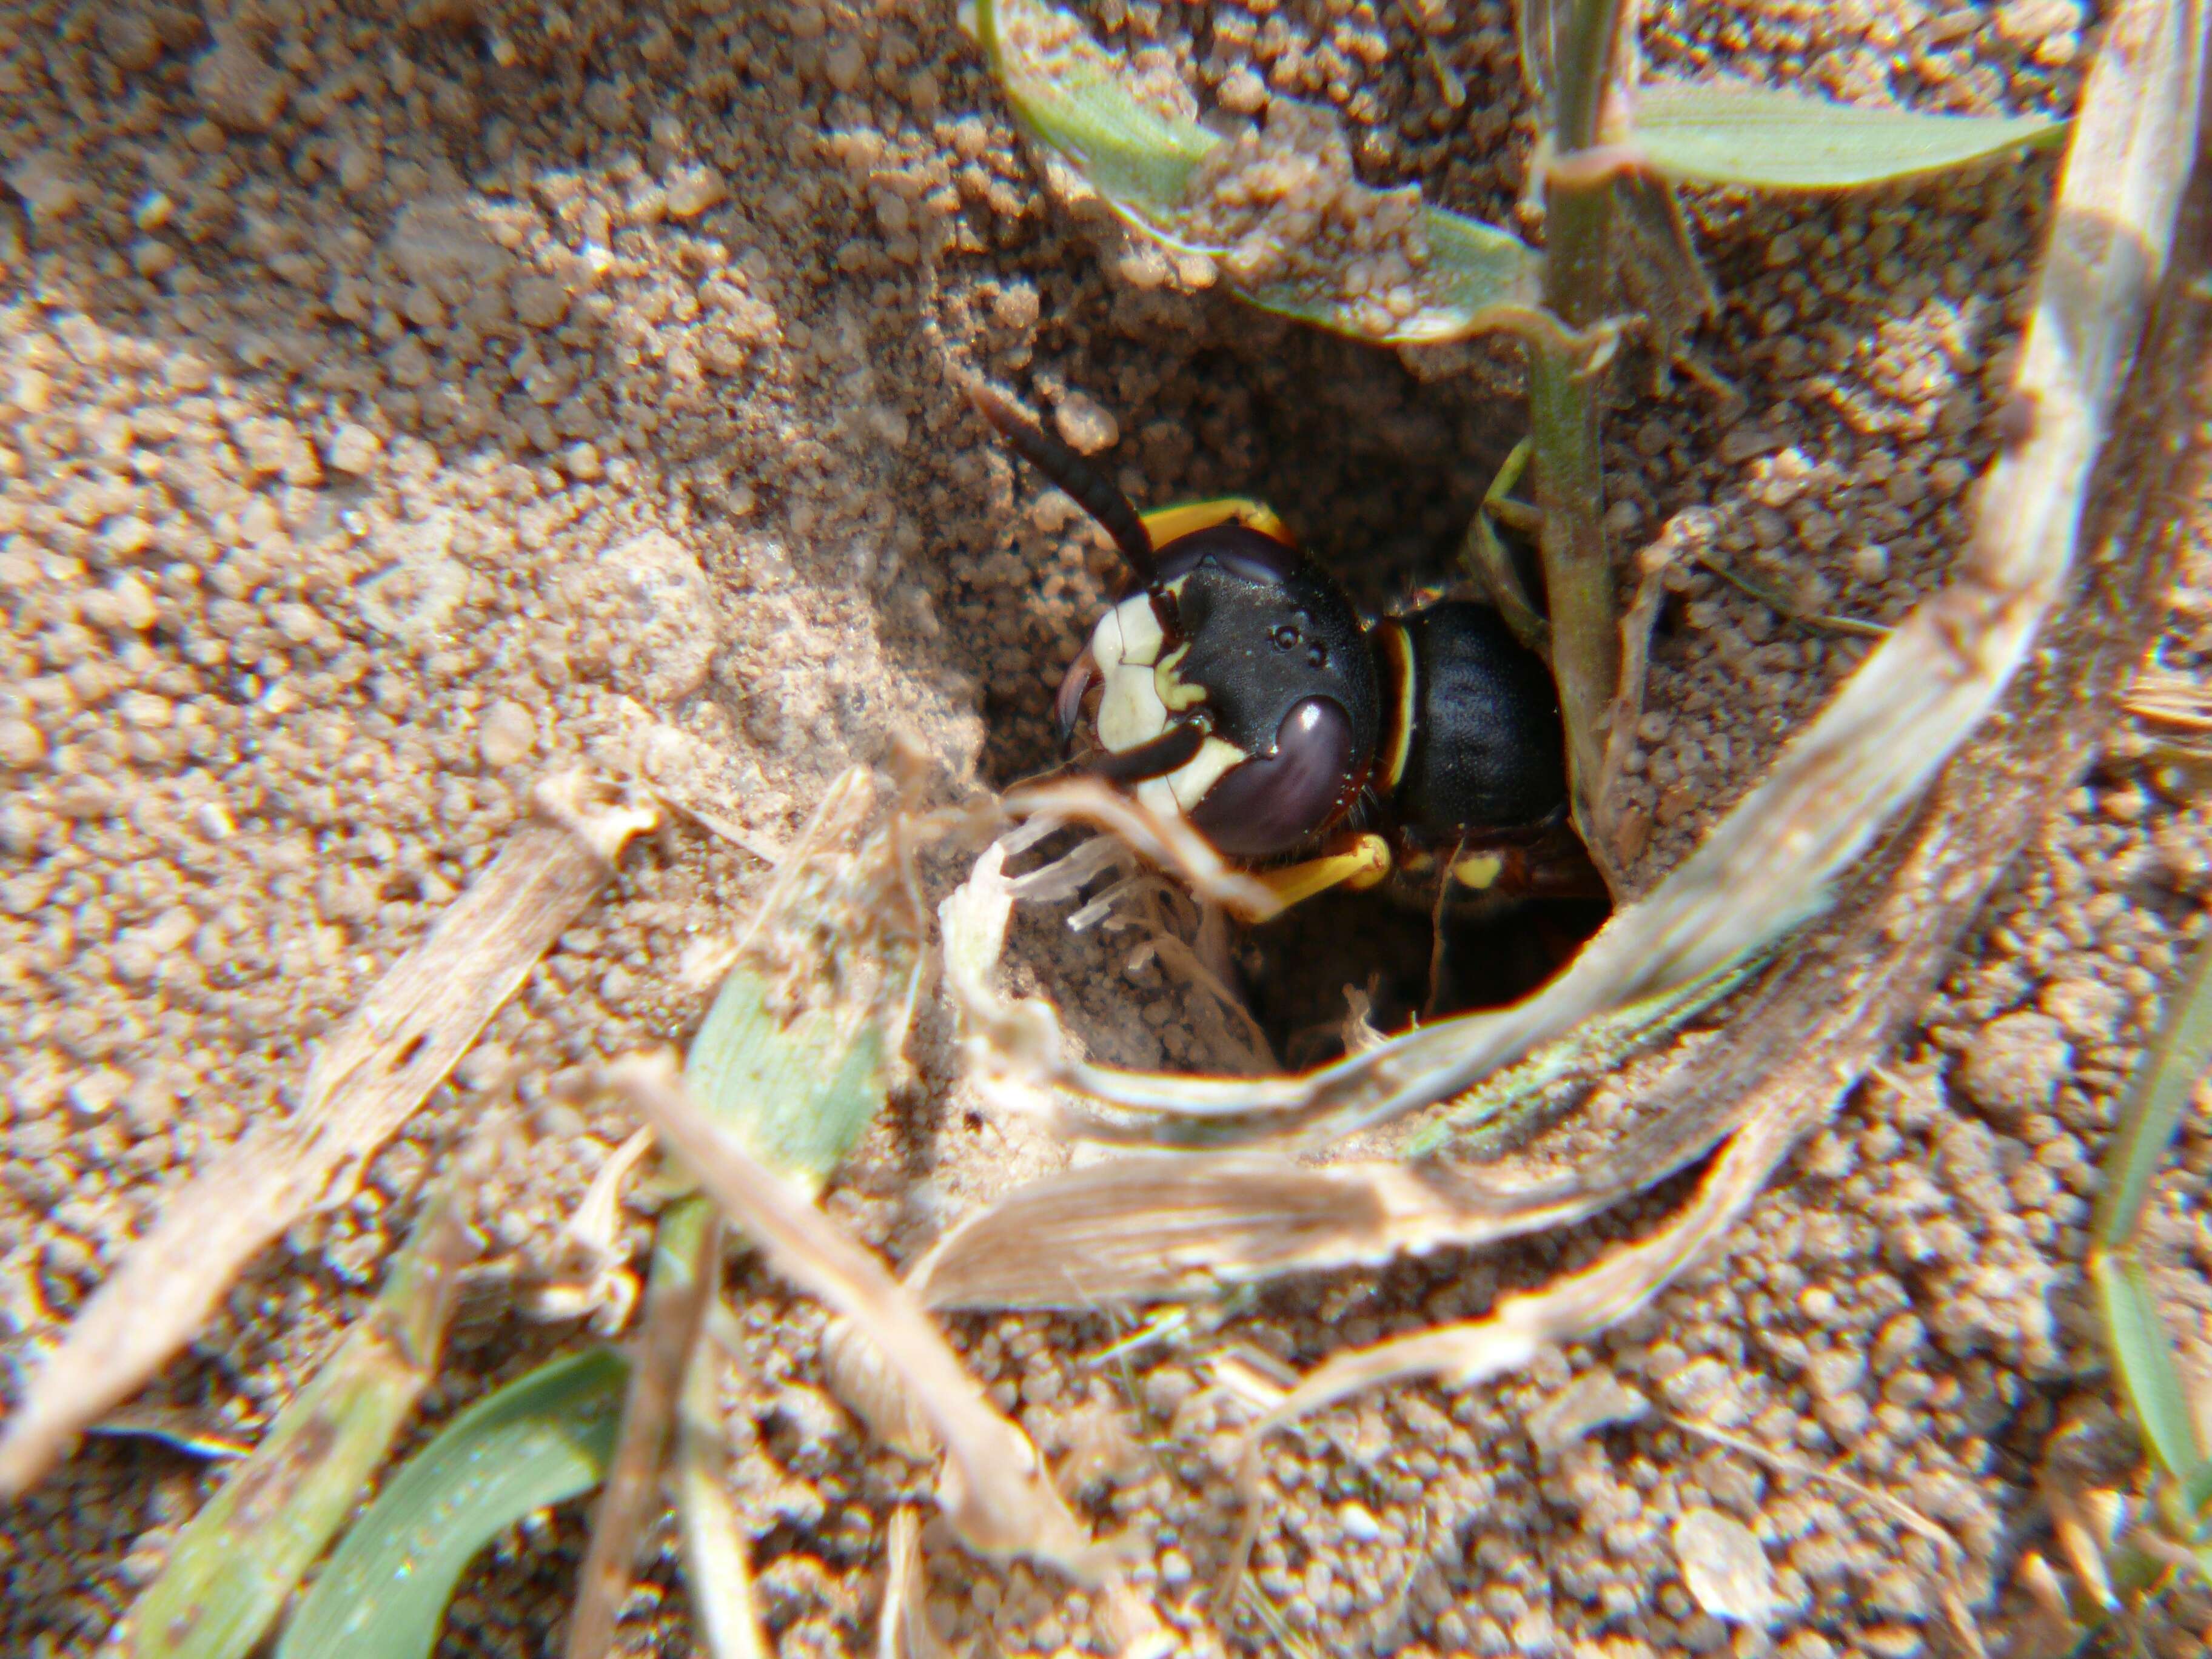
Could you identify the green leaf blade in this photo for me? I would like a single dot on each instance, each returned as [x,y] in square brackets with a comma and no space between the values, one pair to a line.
[1069,94]
[2157,1098]
[1724,133]
[2143,1350]
[770,1082]
[237,1561]
[1145,162]
[542,1439]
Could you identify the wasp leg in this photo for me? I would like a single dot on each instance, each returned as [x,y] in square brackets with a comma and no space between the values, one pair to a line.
[1497,500]
[1554,866]
[1356,865]
[1494,566]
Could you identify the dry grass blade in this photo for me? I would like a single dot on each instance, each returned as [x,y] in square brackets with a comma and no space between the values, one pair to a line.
[902,1628]
[993,1486]
[1170,843]
[1769,864]
[2171,700]
[1182,1224]
[687,1251]
[417,1023]
[1565,1310]
[1832,1016]
[716,1569]
[238,1560]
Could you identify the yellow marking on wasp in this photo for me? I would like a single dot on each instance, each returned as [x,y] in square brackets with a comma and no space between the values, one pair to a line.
[1398,659]
[1167,523]
[1190,781]
[1479,870]
[1357,868]
[1174,694]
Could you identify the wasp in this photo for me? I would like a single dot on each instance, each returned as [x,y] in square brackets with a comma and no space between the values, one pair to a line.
[1239,689]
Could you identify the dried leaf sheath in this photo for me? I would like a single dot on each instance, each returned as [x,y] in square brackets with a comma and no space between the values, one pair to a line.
[1771,862]
[993,1486]
[1840,993]
[417,1023]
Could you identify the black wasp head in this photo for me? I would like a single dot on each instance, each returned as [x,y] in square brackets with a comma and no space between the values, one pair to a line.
[1238,690]
[1235,686]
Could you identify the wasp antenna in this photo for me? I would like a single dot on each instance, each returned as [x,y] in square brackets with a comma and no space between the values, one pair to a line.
[1089,487]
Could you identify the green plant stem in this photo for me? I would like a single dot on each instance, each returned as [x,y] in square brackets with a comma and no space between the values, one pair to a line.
[1579,575]
[1583,68]
[1562,410]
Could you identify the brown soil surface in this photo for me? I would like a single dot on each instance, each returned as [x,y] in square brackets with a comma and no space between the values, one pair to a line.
[398,405]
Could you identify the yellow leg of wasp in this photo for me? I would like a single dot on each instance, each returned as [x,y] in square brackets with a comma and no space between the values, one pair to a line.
[1358,866]
[1497,499]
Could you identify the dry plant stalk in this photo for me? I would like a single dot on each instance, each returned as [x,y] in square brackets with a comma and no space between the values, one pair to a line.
[1829,1011]
[993,1486]
[1769,865]
[687,1273]
[1182,1224]
[902,1628]
[1172,844]
[717,1569]
[376,1071]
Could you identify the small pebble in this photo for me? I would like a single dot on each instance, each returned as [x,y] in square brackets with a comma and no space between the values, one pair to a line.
[1087,428]
[352,448]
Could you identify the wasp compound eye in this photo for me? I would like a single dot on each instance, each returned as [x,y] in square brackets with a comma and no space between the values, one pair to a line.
[1271,803]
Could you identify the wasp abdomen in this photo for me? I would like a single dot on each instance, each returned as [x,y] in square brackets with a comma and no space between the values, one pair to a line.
[1473,737]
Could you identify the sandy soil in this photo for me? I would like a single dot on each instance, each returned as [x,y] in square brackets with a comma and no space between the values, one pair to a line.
[402,405]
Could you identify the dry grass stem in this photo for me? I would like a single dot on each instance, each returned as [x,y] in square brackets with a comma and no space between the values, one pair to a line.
[1182,1224]
[376,1070]
[711,1533]
[2173,701]
[687,1259]
[993,1486]
[601,1287]
[1769,865]
[1170,843]
[902,1628]
[1565,1310]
